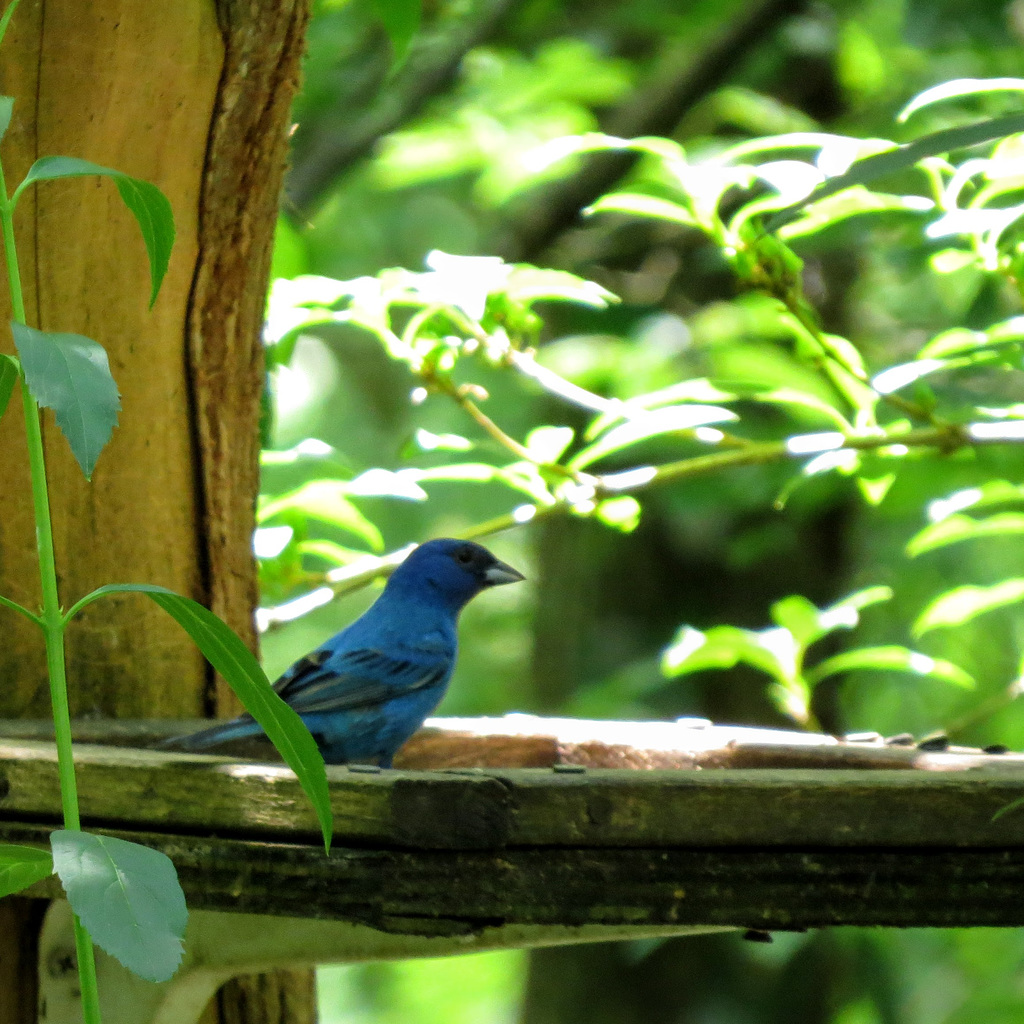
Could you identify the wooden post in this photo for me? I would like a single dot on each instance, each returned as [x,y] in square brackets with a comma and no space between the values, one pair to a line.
[195,98]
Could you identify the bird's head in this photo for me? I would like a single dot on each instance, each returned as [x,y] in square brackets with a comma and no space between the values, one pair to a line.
[453,570]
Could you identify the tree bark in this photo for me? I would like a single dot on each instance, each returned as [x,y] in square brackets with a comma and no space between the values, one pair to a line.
[194,98]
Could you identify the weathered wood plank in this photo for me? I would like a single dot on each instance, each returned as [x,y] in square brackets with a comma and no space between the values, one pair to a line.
[452,893]
[499,809]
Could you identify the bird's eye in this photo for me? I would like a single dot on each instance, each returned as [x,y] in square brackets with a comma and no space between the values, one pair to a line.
[464,556]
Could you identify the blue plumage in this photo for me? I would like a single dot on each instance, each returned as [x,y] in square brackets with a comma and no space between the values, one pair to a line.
[365,691]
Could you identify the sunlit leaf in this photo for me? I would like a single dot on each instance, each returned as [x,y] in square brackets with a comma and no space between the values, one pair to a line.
[802,400]
[326,501]
[526,478]
[949,261]
[874,489]
[226,652]
[386,483]
[22,866]
[900,158]
[640,205]
[962,604]
[619,513]
[957,527]
[548,444]
[666,420]
[329,551]
[724,647]
[460,472]
[958,88]
[891,658]
[800,617]
[526,285]
[70,374]
[270,541]
[859,600]
[851,202]
[808,623]
[430,442]
[960,340]
[895,377]
[550,153]
[772,651]
[149,205]
[833,150]
[991,492]
[127,896]
[698,389]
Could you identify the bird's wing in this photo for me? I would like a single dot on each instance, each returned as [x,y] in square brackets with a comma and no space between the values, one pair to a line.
[327,680]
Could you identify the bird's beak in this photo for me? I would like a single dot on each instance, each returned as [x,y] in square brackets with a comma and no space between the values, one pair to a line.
[501,572]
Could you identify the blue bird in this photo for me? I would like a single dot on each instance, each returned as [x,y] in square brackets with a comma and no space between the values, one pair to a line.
[365,691]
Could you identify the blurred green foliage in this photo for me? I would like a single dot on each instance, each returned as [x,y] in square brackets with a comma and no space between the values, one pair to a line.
[770,277]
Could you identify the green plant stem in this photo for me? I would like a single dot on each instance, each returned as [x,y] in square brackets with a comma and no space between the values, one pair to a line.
[51,619]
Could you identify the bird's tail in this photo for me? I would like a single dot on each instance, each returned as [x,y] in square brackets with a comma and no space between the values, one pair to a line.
[214,738]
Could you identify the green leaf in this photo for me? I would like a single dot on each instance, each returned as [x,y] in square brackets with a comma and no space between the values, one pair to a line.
[619,513]
[666,420]
[957,88]
[401,19]
[992,492]
[22,866]
[327,501]
[956,528]
[70,374]
[336,554]
[901,157]
[851,202]
[127,896]
[225,651]
[831,149]
[799,400]
[551,152]
[548,443]
[857,602]
[896,377]
[800,617]
[961,604]
[959,340]
[8,378]
[726,646]
[149,205]
[874,489]
[773,651]
[431,442]
[891,658]
[153,212]
[6,104]
[641,205]
[526,284]
[6,19]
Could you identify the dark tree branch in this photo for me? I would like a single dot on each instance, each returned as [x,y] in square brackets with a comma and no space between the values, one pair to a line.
[547,212]
[432,67]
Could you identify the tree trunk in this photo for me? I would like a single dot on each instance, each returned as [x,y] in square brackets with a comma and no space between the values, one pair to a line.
[195,98]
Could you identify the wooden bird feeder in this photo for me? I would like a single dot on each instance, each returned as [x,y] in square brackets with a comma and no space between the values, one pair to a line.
[519,832]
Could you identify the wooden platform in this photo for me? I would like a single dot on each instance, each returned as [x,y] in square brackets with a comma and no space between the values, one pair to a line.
[820,832]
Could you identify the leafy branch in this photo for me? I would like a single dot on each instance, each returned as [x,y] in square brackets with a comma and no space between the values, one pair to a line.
[607,447]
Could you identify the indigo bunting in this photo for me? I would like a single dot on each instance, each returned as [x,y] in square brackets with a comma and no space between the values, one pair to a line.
[365,691]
